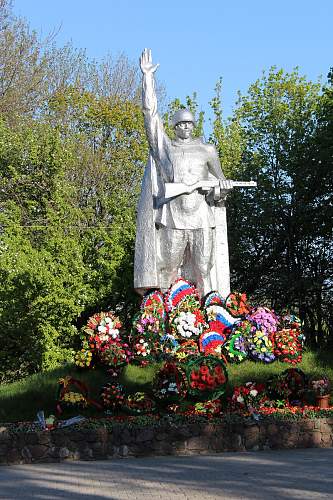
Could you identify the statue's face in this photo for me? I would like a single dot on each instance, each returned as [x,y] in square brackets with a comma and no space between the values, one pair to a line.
[184,130]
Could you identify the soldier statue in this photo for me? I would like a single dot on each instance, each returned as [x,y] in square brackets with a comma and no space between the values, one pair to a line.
[181,220]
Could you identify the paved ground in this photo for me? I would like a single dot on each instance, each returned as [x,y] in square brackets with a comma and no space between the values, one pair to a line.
[287,474]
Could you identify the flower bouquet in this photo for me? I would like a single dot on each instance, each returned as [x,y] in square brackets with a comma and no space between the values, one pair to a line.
[101,330]
[287,347]
[260,346]
[237,304]
[84,357]
[115,354]
[321,387]
[248,397]
[112,395]
[169,384]
[144,350]
[207,377]
[265,319]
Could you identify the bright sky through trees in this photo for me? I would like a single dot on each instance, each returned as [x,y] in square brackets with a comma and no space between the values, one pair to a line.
[197,42]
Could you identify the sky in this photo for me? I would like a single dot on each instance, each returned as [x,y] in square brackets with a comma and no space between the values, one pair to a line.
[196,42]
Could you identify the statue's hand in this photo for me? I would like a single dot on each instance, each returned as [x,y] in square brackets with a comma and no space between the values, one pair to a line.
[146,63]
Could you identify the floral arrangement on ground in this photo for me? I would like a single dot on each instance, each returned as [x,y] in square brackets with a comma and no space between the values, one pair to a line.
[196,339]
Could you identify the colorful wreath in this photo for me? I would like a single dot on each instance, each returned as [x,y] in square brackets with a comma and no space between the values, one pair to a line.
[73,392]
[188,323]
[207,377]
[112,395]
[236,347]
[115,354]
[289,385]
[102,329]
[287,347]
[260,346]
[248,396]
[139,404]
[153,303]
[220,320]
[213,298]
[178,292]
[237,304]
[265,319]
[187,348]
[170,383]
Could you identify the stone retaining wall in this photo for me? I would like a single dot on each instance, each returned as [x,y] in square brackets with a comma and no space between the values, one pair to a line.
[66,444]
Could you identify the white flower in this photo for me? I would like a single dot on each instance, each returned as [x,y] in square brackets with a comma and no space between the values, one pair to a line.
[253,393]
[240,399]
[102,329]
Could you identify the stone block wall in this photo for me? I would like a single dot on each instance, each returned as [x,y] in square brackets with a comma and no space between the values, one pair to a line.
[164,439]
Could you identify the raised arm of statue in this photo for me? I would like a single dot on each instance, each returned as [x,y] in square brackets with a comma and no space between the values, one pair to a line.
[157,138]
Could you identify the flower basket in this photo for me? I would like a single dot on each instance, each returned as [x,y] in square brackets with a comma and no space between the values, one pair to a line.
[207,377]
[323,402]
[169,384]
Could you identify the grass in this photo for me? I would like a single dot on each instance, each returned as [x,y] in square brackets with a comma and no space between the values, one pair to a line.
[21,400]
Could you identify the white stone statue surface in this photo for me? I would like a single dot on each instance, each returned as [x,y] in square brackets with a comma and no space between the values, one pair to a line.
[181,221]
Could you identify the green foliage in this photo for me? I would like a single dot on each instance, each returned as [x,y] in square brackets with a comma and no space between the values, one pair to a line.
[22,399]
[280,248]
[68,197]
[228,138]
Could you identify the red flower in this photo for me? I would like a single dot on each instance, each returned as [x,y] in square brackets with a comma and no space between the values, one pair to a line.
[204,370]
[220,379]
[218,370]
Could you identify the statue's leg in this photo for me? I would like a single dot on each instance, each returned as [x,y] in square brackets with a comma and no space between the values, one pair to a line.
[171,247]
[202,246]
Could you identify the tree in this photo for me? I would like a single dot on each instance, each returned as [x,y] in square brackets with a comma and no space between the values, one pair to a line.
[278,231]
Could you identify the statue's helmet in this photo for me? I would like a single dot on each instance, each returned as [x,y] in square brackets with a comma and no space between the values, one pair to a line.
[182,115]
